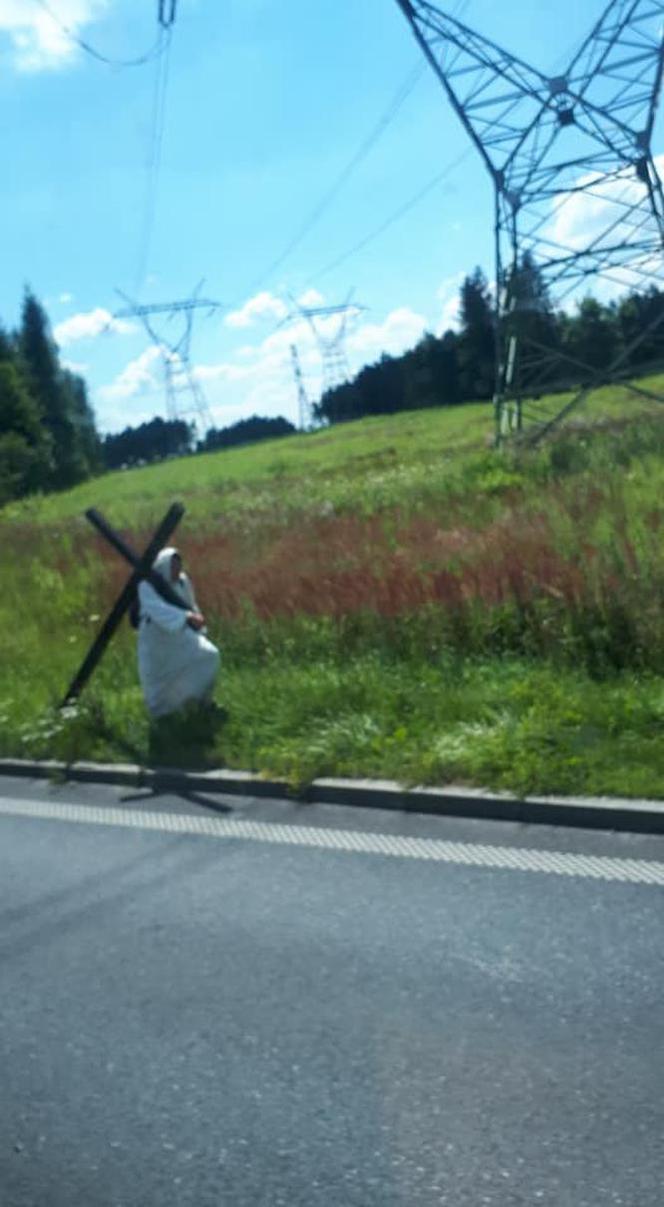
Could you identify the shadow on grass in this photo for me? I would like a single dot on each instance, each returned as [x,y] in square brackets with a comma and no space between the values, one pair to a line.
[187,739]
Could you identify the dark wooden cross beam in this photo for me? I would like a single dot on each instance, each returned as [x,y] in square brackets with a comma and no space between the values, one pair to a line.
[142,569]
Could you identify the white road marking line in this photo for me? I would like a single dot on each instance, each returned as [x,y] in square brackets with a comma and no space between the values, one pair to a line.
[468,854]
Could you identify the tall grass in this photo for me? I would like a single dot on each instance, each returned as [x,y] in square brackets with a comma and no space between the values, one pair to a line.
[402,611]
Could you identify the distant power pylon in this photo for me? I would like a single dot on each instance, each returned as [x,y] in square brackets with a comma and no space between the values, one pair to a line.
[578,200]
[185,397]
[330,337]
[304,408]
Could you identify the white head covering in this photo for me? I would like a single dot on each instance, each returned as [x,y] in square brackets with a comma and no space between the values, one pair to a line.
[162,562]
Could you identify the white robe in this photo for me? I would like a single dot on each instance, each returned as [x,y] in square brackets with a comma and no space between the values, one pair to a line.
[175,664]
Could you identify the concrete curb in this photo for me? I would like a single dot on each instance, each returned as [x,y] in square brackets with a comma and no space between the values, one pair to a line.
[594,813]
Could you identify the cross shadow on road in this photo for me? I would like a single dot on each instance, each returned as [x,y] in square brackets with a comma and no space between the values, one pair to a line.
[192,798]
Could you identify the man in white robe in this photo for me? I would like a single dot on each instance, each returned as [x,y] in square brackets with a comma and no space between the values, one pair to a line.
[176,662]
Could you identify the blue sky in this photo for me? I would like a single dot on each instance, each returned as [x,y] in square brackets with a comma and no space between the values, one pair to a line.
[266,103]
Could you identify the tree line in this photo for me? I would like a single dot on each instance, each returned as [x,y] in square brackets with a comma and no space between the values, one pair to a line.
[245,431]
[459,366]
[162,438]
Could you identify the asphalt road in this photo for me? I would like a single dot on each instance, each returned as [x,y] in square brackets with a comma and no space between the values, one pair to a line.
[265,1003]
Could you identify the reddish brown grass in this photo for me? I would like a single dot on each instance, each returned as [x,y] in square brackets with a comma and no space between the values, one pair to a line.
[342,565]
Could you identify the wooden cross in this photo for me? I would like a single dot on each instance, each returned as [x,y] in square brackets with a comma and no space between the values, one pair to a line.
[142,569]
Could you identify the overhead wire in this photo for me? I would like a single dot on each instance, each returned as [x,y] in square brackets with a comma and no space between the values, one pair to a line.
[398,100]
[155,51]
[406,207]
[157,127]
[384,122]
[401,212]
[159,52]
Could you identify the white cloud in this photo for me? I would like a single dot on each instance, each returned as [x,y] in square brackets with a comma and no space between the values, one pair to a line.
[267,305]
[311,297]
[596,212]
[400,330]
[38,38]
[222,372]
[75,366]
[90,324]
[66,298]
[140,376]
[581,216]
[448,294]
[263,306]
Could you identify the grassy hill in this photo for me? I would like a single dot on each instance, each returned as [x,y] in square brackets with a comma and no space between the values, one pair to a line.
[391,597]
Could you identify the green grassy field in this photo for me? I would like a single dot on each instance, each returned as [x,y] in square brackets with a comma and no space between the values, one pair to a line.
[391,597]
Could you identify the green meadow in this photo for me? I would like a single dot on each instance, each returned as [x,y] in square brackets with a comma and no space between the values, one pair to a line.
[391,598]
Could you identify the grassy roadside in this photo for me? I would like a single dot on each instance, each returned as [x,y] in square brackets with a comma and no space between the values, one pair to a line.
[390,598]
[507,723]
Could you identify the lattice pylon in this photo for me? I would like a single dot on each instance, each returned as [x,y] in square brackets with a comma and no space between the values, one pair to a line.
[330,340]
[336,370]
[562,151]
[331,345]
[185,397]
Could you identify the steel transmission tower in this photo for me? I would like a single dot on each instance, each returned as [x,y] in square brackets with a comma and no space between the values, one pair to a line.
[305,414]
[330,337]
[578,200]
[185,398]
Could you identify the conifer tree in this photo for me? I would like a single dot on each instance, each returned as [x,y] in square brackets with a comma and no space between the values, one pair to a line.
[53,395]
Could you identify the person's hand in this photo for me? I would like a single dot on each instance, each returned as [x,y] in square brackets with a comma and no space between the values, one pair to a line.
[195,621]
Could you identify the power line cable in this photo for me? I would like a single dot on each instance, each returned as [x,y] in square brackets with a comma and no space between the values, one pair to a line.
[365,148]
[401,212]
[155,51]
[403,209]
[398,100]
[159,52]
[154,159]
